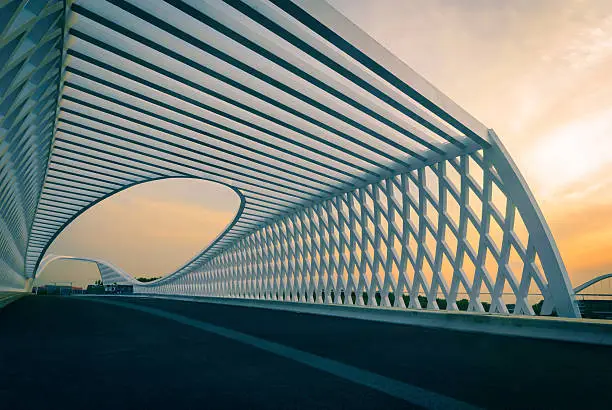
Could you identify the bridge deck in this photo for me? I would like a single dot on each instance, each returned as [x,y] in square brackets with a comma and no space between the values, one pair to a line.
[76,353]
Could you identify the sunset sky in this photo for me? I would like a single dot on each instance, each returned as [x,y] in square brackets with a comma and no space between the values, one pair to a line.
[539,72]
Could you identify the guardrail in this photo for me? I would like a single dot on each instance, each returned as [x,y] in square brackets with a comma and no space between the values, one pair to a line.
[9,297]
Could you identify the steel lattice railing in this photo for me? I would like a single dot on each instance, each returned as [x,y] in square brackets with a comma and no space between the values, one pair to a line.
[447,231]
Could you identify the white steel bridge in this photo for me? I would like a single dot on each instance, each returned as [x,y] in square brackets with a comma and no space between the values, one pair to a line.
[360,183]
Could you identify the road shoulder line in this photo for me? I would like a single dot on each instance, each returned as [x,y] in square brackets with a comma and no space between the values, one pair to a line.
[412,394]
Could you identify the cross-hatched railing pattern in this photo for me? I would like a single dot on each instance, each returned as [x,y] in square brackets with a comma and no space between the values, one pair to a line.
[434,235]
[30,58]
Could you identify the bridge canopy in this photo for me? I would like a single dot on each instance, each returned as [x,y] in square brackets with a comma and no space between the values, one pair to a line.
[360,182]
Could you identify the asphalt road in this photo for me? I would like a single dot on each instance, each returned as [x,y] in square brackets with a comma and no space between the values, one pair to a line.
[82,354]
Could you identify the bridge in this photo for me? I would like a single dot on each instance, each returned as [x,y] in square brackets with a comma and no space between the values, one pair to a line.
[109,273]
[596,302]
[366,195]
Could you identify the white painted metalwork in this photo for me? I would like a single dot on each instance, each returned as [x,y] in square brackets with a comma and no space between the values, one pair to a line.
[30,43]
[355,174]
[109,273]
[436,232]
[592,282]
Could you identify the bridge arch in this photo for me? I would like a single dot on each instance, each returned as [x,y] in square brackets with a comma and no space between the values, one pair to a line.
[44,261]
[591,282]
[108,272]
[356,175]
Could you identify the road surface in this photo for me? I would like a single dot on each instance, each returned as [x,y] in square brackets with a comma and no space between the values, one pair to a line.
[77,352]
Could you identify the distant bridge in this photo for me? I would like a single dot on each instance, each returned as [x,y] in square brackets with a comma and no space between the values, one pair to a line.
[595,304]
[591,282]
[108,272]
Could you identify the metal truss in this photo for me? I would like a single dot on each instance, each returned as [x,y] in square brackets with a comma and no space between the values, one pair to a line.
[30,61]
[448,231]
[346,161]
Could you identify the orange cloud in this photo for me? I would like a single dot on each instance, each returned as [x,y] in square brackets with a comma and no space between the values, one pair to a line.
[583,232]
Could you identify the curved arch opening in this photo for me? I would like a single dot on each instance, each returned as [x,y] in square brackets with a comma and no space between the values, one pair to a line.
[148,230]
[76,272]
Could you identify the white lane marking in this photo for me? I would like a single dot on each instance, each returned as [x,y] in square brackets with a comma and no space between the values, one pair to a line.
[413,394]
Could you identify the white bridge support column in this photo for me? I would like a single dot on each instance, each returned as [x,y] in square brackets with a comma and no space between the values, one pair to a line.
[28,285]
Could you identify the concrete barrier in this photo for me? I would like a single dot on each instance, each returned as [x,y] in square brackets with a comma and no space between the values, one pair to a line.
[9,297]
[550,328]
